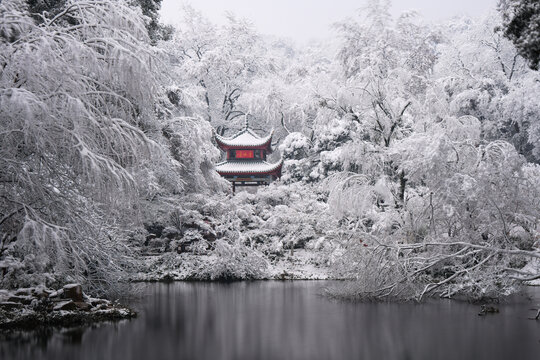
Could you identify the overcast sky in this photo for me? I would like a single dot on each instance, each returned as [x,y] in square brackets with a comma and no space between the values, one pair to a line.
[303,20]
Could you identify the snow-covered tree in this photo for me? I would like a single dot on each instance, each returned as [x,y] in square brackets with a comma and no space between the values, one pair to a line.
[214,65]
[76,97]
[481,74]
[522,26]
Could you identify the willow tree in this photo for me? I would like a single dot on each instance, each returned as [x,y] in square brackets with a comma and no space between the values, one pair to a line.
[76,93]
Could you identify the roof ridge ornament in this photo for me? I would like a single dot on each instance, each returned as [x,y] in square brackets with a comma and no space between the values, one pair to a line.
[246,124]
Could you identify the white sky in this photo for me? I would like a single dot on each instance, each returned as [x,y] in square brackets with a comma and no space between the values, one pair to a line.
[303,20]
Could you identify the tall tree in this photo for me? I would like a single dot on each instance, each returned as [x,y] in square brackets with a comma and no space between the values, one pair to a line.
[156,30]
[76,92]
[214,64]
[522,26]
[47,9]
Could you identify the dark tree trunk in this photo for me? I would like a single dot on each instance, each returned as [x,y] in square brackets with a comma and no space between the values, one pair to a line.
[402,184]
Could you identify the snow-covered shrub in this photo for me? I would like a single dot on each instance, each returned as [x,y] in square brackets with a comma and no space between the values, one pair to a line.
[199,247]
[296,146]
[332,134]
[331,161]
[296,149]
[235,262]
[296,170]
[243,215]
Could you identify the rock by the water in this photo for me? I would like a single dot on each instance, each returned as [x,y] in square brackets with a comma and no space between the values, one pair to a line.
[20,299]
[83,306]
[66,305]
[8,305]
[73,292]
[41,292]
[56,294]
[485,309]
[96,302]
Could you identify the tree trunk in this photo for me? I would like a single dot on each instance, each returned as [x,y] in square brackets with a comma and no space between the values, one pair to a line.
[402,184]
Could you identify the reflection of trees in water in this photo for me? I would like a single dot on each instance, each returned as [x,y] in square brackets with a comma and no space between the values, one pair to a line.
[47,339]
[287,320]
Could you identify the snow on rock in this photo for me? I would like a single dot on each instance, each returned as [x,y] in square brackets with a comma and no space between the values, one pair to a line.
[31,307]
[65,305]
[73,292]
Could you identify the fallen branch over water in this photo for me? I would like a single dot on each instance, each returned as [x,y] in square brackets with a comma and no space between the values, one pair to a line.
[476,271]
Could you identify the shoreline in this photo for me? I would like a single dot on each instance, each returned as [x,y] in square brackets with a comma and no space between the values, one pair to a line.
[32,308]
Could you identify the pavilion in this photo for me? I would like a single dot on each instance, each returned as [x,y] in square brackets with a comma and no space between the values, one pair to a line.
[245,163]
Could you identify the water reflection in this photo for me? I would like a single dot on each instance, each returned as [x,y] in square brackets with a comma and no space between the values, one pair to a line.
[288,320]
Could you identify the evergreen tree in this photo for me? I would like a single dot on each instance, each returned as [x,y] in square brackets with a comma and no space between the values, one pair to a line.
[522,26]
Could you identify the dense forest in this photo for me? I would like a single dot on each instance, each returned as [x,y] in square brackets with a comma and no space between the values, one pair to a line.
[411,149]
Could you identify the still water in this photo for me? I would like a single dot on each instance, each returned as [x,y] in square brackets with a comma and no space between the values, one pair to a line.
[288,320]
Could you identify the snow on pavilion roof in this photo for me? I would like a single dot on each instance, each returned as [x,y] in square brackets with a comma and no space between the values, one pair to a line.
[245,138]
[258,167]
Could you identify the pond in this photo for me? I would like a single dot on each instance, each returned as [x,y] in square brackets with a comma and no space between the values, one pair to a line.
[288,320]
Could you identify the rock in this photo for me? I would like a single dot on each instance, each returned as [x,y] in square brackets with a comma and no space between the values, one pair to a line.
[148,238]
[155,229]
[66,305]
[171,232]
[96,302]
[83,306]
[56,294]
[167,278]
[24,291]
[243,215]
[101,307]
[56,311]
[20,299]
[73,292]
[485,309]
[302,240]
[182,248]
[8,305]
[209,236]
[41,292]
[158,243]
[34,304]
[41,305]
[285,276]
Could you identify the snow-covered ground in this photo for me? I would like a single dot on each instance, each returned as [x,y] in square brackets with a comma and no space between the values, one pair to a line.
[300,265]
